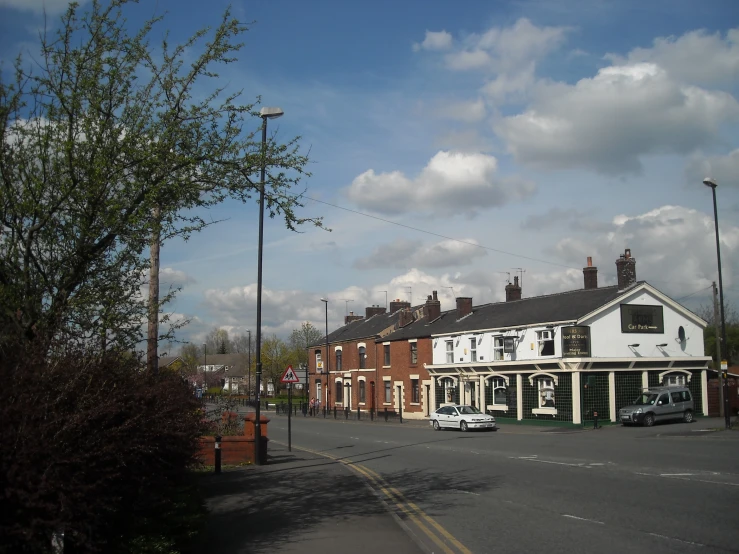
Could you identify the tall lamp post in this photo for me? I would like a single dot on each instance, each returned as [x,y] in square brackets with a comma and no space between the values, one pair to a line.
[265,113]
[248,371]
[727,410]
[328,391]
[205,368]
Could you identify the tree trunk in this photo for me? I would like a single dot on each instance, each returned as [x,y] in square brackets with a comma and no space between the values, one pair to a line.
[152,358]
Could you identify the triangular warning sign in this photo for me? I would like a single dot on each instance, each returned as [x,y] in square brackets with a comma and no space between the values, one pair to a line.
[289,376]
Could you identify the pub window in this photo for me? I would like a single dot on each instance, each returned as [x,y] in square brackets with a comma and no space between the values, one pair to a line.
[499,391]
[388,392]
[386,352]
[545,342]
[362,391]
[338,360]
[450,389]
[362,357]
[546,392]
[498,348]
[449,352]
[414,352]
[415,391]
[473,349]
[319,365]
[339,391]
[674,380]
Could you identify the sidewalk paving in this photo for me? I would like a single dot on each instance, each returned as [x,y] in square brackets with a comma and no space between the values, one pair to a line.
[298,503]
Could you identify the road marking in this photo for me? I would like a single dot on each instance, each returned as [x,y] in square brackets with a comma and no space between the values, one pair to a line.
[396,498]
[674,539]
[675,474]
[679,477]
[465,492]
[597,464]
[583,519]
[582,465]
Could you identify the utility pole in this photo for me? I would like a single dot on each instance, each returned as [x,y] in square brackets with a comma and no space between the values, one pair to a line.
[718,351]
[385,297]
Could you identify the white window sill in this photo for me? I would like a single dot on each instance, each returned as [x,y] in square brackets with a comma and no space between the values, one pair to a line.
[544,411]
[497,407]
[362,403]
[415,403]
[386,367]
[387,403]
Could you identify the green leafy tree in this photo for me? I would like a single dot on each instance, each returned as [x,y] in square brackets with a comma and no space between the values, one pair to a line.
[299,341]
[275,359]
[108,146]
[218,341]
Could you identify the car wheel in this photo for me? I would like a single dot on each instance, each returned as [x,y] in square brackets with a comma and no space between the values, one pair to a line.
[463,426]
[437,427]
[688,416]
[648,420]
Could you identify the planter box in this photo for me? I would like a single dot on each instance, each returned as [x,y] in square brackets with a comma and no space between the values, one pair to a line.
[239,449]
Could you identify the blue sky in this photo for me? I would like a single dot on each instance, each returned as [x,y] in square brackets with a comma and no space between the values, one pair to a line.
[526,134]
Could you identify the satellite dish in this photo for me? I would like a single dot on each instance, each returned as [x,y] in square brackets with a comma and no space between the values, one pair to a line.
[681,334]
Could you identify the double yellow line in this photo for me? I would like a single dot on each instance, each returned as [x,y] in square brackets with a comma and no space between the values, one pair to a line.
[425,523]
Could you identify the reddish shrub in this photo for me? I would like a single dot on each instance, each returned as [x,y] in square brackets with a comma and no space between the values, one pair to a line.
[93,447]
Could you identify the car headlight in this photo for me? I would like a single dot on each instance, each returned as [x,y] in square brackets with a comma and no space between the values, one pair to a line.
[638,411]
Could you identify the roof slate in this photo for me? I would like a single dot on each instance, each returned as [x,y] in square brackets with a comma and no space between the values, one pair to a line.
[563,306]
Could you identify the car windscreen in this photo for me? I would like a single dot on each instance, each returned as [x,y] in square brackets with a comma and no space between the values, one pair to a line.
[646,399]
[468,410]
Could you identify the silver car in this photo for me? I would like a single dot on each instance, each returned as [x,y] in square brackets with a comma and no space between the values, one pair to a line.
[462,418]
[659,404]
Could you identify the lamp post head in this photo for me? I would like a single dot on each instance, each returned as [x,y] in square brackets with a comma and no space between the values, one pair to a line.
[709,182]
[634,345]
[324,300]
[271,113]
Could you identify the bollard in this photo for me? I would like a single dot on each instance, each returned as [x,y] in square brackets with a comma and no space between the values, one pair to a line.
[386,414]
[359,415]
[324,412]
[595,420]
[346,412]
[400,413]
[218,453]
[372,414]
[334,411]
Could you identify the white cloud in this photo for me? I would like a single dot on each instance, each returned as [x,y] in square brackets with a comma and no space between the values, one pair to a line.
[435,40]
[696,57]
[674,248]
[505,49]
[468,112]
[608,122]
[451,183]
[511,86]
[722,169]
[39,6]
[407,254]
[174,277]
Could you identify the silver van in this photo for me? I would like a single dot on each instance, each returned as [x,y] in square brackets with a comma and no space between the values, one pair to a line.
[659,404]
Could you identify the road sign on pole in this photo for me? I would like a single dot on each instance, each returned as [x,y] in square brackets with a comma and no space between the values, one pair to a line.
[290,376]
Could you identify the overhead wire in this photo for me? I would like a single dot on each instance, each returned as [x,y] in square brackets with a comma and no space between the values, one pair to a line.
[499,251]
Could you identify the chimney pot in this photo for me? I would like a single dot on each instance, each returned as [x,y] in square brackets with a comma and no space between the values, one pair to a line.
[432,308]
[590,275]
[513,291]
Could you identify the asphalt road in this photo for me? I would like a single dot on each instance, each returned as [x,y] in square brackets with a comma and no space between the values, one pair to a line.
[670,488]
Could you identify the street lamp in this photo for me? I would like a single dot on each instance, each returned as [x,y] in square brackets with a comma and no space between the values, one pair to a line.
[327,364]
[265,113]
[727,410]
[248,371]
[205,368]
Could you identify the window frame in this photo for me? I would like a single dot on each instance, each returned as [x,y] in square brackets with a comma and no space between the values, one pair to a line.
[415,391]
[339,392]
[339,360]
[388,392]
[498,352]
[449,351]
[362,391]
[543,385]
[473,349]
[414,353]
[386,355]
[541,342]
[497,383]
[362,357]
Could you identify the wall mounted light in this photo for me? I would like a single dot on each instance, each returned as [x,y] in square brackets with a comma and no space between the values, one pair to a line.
[662,345]
[634,345]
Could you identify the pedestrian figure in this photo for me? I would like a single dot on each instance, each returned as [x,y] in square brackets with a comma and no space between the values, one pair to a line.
[312,405]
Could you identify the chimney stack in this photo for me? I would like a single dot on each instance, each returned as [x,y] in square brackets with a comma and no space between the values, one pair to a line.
[432,308]
[351,317]
[626,270]
[374,310]
[590,275]
[513,291]
[464,306]
[398,304]
[405,317]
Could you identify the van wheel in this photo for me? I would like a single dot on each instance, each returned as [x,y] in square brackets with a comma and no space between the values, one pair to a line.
[463,426]
[436,425]
[648,420]
[688,416]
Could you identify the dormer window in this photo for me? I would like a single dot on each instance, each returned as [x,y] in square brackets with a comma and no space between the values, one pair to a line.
[545,342]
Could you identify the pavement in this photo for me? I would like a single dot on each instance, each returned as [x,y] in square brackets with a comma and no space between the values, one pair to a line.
[291,506]
[392,488]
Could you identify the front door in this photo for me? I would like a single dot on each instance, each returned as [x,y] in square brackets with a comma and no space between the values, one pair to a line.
[663,408]
[348,394]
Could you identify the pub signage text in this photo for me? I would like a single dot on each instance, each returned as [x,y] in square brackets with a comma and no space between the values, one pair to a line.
[576,341]
[642,319]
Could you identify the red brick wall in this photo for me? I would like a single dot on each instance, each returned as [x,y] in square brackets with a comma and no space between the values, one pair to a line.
[401,369]
[234,450]
[714,397]
[349,361]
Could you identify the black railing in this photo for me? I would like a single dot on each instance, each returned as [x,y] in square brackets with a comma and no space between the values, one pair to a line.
[381,415]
